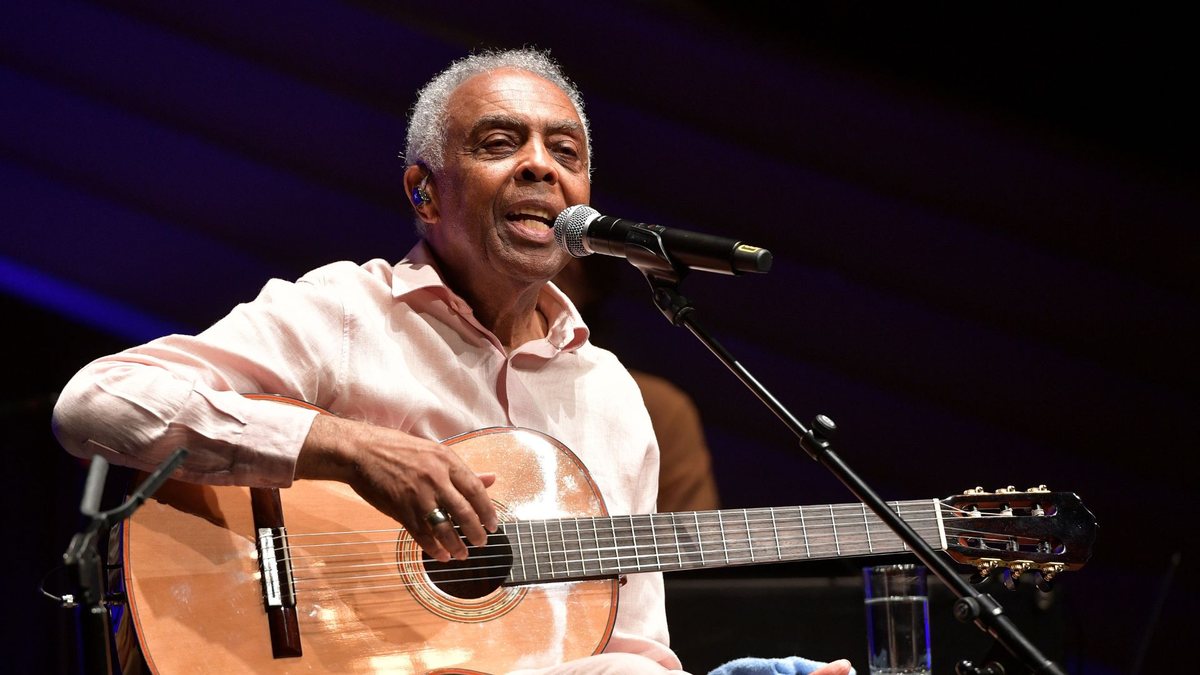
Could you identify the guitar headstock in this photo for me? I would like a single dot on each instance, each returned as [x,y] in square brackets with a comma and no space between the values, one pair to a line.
[1021,530]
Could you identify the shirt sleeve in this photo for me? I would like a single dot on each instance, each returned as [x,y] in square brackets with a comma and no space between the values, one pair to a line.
[135,407]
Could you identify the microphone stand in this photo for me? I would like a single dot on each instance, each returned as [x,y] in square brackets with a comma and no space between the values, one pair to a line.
[86,566]
[645,251]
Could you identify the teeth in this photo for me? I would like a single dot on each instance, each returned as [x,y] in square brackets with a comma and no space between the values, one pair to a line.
[534,213]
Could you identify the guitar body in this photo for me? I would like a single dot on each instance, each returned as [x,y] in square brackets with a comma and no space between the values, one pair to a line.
[363,599]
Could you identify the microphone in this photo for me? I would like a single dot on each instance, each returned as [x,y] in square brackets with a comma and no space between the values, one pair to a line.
[582,231]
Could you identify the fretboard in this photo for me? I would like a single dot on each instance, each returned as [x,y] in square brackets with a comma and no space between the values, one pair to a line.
[582,548]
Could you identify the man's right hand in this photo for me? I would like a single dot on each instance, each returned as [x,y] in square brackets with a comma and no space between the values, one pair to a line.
[405,477]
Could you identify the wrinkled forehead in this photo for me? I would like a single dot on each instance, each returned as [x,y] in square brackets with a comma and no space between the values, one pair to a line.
[511,93]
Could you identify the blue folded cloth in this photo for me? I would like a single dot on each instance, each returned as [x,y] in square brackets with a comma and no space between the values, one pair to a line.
[792,665]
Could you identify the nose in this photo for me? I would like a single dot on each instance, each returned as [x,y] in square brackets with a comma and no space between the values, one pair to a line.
[537,165]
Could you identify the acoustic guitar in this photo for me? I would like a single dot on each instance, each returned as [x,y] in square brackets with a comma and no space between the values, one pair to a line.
[313,579]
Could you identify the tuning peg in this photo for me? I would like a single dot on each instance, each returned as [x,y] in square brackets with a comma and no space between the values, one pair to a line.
[987,581]
[1008,489]
[1018,568]
[1006,578]
[1044,584]
[1040,488]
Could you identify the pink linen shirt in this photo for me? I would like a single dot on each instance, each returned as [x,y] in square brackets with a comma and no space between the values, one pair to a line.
[389,345]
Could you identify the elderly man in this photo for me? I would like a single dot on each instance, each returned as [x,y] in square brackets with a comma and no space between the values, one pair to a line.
[464,333]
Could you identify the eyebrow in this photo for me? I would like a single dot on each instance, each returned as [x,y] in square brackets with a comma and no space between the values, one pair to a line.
[500,121]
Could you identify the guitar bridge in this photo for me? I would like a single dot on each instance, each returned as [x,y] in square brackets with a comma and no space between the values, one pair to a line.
[275,565]
[272,555]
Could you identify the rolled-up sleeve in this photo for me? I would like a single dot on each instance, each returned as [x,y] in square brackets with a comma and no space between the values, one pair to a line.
[135,407]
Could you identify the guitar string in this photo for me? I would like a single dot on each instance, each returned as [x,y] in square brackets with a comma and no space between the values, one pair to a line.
[623,533]
[626,530]
[567,562]
[855,508]
[779,514]
[627,539]
[328,583]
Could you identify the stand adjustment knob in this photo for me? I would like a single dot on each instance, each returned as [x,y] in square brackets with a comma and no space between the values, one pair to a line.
[824,427]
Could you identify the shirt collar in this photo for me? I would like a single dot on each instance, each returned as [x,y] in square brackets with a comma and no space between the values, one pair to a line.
[418,271]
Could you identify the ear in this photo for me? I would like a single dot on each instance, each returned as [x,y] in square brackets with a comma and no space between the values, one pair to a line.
[426,210]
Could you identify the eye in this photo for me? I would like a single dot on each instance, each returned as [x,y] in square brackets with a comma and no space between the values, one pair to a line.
[567,152]
[497,144]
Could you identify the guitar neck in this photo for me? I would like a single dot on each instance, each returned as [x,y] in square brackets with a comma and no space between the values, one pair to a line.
[570,549]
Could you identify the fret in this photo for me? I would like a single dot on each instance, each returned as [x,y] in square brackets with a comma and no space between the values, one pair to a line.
[902,542]
[579,544]
[637,556]
[567,549]
[775,531]
[619,556]
[518,548]
[654,538]
[737,539]
[867,529]
[641,539]
[724,541]
[833,521]
[763,527]
[549,548]
[562,538]
[533,547]
[600,549]
[678,547]
[804,530]
[941,525]
[749,536]
[851,530]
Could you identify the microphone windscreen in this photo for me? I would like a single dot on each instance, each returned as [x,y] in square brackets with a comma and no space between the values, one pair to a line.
[570,227]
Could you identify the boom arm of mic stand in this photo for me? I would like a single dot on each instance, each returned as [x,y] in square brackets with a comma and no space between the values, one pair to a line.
[979,608]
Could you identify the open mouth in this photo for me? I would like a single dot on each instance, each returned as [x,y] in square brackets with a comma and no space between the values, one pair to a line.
[532,217]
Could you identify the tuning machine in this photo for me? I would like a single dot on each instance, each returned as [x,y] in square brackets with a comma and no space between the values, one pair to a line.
[1046,574]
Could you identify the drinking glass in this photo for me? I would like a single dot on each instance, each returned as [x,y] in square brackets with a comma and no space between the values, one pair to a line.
[897,620]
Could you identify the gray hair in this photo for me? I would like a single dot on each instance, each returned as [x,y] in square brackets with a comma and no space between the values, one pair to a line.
[427,122]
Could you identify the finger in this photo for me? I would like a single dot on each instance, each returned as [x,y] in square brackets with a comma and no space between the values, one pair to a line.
[419,529]
[466,518]
[447,536]
[473,488]
[488,479]
[839,667]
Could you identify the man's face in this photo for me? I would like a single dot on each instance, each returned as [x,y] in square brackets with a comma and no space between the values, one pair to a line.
[515,157]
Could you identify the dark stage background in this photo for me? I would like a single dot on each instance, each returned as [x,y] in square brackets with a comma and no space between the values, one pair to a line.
[984,223]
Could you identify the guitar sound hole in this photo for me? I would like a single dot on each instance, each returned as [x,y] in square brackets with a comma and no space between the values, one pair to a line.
[484,570]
